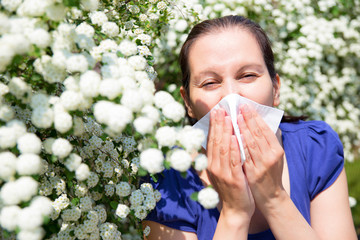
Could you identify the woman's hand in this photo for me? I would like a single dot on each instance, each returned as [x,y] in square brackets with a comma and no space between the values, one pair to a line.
[225,171]
[264,159]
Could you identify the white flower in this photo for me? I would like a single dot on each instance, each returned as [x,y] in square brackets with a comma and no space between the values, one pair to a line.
[42,117]
[29,218]
[42,204]
[161,5]
[39,37]
[18,87]
[147,231]
[6,113]
[191,138]
[11,5]
[151,112]
[77,63]
[70,100]
[110,28]
[28,164]
[7,137]
[56,12]
[174,111]
[33,234]
[132,99]
[89,5]
[208,198]
[85,29]
[9,217]
[32,8]
[98,18]
[181,25]
[136,198]
[92,180]
[352,201]
[145,39]
[61,147]
[152,160]
[123,189]
[122,211]
[144,51]
[143,17]
[180,160]
[89,83]
[62,121]
[7,165]
[6,55]
[140,212]
[166,136]
[110,71]
[71,214]
[82,172]
[18,42]
[39,100]
[86,204]
[110,88]
[26,187]
[48,145]
[162,98]
[29,143]
[134,9]
[149,202]
[128,48]
[144,125]
[201,162]
[137,62]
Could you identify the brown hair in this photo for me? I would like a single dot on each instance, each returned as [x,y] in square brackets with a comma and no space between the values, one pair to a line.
[213,25]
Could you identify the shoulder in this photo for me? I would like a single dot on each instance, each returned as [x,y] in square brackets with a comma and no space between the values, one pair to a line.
[321,149]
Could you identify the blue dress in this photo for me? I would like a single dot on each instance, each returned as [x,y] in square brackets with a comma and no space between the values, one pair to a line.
[314,156]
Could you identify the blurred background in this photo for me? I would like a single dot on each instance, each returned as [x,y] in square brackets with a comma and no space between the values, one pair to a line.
[317,53]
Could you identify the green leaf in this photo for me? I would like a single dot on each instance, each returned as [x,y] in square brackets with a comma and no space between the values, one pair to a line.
[142,172]
[113,204]
[194,196]
[154,177]
[75,201]
[46,219]
[183,174]
[167,164]
[72,3]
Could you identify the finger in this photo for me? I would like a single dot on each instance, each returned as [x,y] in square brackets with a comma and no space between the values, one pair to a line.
[250,117]
[235,160]
[250,146]
[218,131]
[225,145]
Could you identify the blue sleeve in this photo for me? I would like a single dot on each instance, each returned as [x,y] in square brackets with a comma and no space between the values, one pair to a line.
[175,209]
[325,157]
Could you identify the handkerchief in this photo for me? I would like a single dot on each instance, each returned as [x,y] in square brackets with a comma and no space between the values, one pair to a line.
[231,103]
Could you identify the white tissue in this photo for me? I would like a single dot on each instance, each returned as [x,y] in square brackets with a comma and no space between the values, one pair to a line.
[230,103]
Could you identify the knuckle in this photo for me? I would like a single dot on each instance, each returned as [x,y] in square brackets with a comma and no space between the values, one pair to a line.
[257,132]
[252,145]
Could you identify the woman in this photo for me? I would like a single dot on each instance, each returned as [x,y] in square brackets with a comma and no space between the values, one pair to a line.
[292,184]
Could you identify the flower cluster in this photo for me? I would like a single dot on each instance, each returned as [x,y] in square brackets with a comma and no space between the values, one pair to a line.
[79,118]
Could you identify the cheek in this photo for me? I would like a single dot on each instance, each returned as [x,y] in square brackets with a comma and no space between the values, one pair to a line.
[201,106]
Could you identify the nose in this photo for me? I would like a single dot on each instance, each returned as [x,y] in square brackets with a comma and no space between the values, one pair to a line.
[229,86]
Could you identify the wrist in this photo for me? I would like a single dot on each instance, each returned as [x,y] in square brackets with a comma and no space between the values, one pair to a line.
[233,218]
[274,205]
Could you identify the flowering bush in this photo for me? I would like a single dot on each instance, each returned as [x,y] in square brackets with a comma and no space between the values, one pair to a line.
[80,121]
[316,46]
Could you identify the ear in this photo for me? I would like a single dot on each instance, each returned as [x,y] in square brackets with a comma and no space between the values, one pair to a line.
[276,91]
[186,99]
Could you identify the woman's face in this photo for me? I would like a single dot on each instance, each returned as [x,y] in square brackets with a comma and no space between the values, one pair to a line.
[224,62]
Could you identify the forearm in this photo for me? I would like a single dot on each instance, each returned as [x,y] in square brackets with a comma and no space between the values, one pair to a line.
[285,220]
[231,227]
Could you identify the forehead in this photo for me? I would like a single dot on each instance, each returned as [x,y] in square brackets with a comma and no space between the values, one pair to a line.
[223,47]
